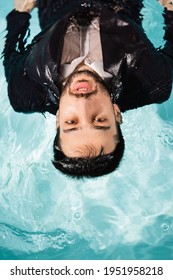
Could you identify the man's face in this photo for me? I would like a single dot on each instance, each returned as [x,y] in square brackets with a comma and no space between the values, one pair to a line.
[87,117]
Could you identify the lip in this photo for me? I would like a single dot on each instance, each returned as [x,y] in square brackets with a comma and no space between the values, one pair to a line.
[82,87]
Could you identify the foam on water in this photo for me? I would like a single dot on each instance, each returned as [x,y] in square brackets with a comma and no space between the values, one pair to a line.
[125,215]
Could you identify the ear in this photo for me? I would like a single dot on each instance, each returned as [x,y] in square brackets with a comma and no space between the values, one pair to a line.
[117,112]
[57,119]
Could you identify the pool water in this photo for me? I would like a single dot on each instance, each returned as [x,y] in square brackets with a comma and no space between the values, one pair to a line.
[125,215]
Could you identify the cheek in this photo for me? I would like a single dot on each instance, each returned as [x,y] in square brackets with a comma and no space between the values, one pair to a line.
[67,112]
[65,104]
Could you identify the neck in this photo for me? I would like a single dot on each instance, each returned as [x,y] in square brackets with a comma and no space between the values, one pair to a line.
[82,66]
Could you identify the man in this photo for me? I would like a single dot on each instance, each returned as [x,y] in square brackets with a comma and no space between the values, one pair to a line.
[91,62]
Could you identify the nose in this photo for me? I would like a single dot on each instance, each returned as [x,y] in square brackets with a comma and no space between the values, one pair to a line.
[86,110]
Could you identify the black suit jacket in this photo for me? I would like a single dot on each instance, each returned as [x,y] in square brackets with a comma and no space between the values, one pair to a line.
[141,74]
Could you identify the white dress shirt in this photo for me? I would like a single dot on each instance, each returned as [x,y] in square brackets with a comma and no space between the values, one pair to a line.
[82,44]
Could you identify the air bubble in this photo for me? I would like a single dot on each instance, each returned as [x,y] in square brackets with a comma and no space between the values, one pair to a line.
[77,215]
[164,227]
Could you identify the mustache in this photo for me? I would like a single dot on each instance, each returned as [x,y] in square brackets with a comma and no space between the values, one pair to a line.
[83,95]
[89,73]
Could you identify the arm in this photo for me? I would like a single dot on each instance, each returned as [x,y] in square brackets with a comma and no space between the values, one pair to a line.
[17,29]
[24,5]
[148,72]
[18,24]
[168,21]
[23,93]
[168,4]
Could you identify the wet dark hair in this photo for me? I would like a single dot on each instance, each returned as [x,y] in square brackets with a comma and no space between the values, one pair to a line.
[88,167]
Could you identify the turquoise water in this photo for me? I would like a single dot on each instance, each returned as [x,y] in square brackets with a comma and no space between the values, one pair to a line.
[125,215]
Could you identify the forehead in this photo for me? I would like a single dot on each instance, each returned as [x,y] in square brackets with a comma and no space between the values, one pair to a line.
[93,145]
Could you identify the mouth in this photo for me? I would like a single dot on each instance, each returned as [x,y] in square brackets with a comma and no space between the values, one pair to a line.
[82,87]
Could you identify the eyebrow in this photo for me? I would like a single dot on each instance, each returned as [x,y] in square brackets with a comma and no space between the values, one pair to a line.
[103,128]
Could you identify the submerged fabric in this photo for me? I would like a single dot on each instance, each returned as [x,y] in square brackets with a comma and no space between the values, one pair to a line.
[82,45]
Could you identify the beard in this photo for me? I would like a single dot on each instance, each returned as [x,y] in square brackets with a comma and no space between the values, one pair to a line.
[98,80]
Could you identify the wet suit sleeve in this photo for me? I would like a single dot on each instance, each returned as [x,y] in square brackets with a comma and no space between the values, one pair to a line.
[168,37]
[24,94]
[147,77]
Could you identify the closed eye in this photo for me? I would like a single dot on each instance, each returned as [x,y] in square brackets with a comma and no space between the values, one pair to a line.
[71,122]
[100,120]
